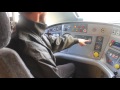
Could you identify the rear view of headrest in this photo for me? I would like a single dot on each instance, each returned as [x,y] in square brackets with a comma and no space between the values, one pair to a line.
[5,30]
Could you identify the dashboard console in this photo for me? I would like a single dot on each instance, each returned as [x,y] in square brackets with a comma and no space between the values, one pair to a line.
[104,45]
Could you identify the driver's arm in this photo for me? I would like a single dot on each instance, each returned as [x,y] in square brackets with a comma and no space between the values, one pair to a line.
[61,43]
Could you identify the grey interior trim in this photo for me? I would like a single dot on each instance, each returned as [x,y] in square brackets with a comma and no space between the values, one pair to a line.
[67,22]
[97,63]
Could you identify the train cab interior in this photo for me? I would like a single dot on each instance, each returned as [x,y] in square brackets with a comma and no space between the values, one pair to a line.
[100,58]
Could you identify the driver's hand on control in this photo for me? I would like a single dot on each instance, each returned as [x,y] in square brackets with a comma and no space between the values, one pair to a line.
[82,42]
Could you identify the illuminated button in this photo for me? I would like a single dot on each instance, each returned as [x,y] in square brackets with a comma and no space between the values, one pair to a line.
[117,66]
[96,54]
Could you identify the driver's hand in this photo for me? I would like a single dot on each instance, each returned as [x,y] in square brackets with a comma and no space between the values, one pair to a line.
[82,42]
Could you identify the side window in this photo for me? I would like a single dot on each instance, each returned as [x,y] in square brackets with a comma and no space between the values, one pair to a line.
[13,17]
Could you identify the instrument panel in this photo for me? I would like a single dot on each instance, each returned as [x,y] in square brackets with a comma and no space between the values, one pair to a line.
[112,52]
[104,45]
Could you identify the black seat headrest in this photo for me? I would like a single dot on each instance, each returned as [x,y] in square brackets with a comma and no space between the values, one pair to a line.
[5,30]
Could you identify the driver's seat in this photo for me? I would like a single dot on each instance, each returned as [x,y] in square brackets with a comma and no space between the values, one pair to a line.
[11,65]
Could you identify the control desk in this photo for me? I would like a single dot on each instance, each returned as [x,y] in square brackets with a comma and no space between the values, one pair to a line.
[104,45]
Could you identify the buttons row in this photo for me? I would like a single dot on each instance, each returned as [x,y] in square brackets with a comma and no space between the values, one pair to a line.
[113,55]
[76,30]
[116,32]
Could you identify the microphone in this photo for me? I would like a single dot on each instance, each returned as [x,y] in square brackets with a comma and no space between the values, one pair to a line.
[5,30]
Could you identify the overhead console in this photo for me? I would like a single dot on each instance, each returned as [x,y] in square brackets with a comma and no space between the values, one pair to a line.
[98,33]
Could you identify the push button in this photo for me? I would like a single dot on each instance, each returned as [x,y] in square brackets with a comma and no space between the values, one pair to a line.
[96,54]
[117,66]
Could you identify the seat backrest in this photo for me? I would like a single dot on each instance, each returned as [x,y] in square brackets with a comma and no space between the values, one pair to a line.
[11,64]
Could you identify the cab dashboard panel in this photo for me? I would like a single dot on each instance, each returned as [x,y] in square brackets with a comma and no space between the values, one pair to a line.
[98,33]
[112,51]
[104,48]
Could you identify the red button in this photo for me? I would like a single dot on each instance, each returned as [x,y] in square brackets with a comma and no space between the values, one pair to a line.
[112,41]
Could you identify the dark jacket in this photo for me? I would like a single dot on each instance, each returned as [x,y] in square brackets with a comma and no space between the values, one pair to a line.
[36,49]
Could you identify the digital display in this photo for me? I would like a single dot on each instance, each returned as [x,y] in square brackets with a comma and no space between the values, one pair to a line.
[116,44]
